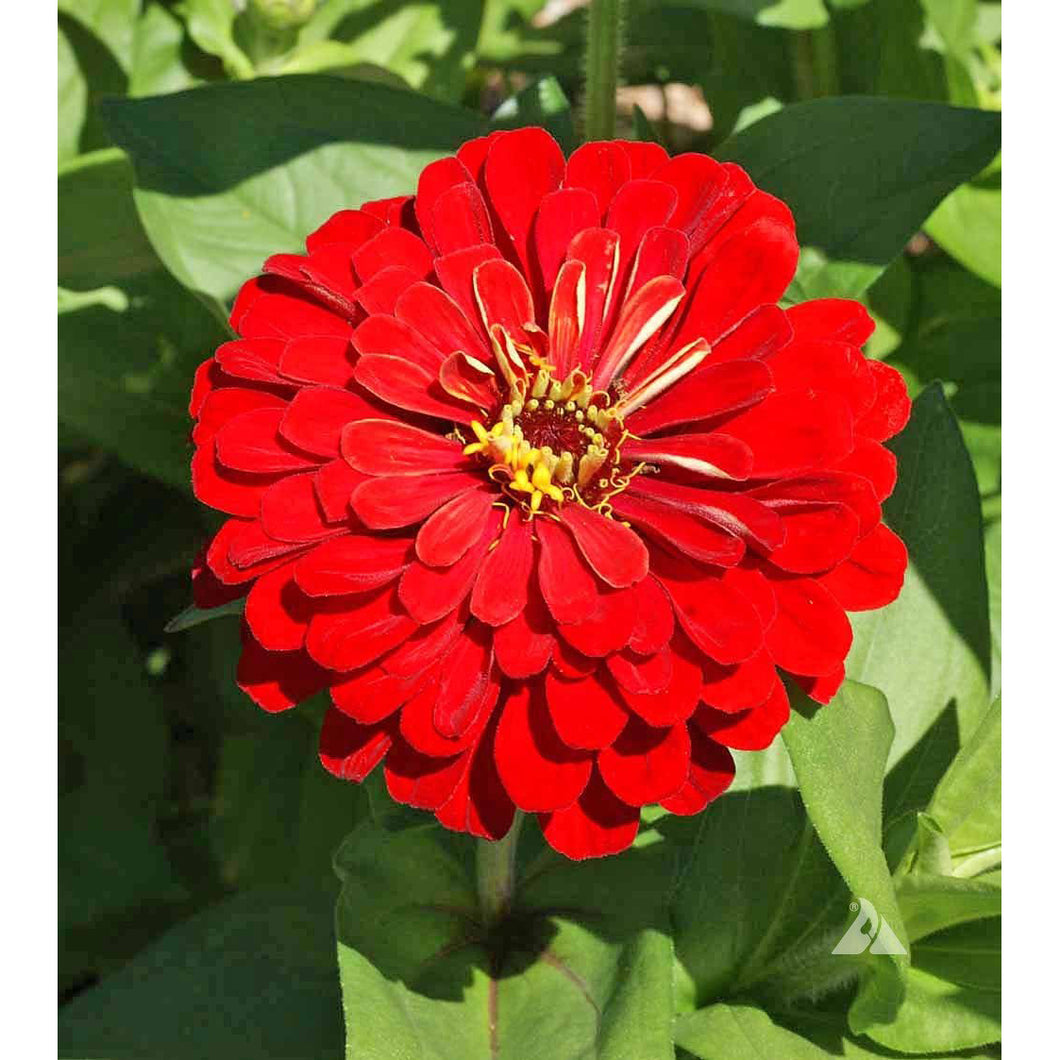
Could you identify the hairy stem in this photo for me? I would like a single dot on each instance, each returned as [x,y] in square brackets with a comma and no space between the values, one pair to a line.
[601,67]
[495,863]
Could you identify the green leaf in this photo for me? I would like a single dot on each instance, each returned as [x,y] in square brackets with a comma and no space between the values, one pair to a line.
[252,976]
[967,954]
[929,651]
[430,46]
[73,96]
[967,802]
[839,754]
[955,21]
[541,103]
[575,970]
[125,373]
[164,59]
[967,225]
[784,14]
[833,162]
[932,903]
[229,174]
[992,546]
[939,1016]
[741,1032]
[112,21]
[193,616]
[100,235]
[211,24]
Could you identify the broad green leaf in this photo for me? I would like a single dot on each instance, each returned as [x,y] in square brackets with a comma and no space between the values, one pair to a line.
[839,754]
[125,373]
[741,1032]
[112,21]
[929,651]
[211,25]
[577,969]
[967,954]
[831,1035]
[933,903]
[955,21]
[992,547]
[100,235]
[967,225]
[431,46]
[954,335]
[784,14]
[229,174]
[541,103]
[967,802]
[254,976]
[164,58]
[940,1016]
[854,207]
[73,95]
[280,815]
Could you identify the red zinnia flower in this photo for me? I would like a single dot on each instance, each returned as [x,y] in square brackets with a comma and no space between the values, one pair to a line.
[534,476]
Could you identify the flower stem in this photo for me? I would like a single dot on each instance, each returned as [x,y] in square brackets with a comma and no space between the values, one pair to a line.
[601,68]
[495,863]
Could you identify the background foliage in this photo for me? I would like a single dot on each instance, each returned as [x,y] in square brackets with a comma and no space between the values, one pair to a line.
[197,892]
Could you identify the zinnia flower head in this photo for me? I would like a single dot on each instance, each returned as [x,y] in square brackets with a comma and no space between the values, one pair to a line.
[533,475]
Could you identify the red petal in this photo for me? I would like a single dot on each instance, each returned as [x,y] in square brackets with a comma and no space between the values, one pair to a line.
[522,167]
[224,405]
[408,386]
[389,447]
[645,157]
[381,293]
[349,227]
[421,780]
[355,563]
[251,442]
[586,713]
[538,770]
[232,492]
[463,682]
[653,617]
[561,216]
[430,593]
[371,695]
[741,686]
[393,246]
[678,700]
[524,646]
[662,252]
[242,550]
[792,433]
[873,575]
[469,381]
[597,250]
[334,483]
[461,219]
[455,271]
[680,531]
[403,500]
[480,806]
[614,552]
[821,689]
[277,680]
[429,311]
[367,627]
[290,512]
[417,721]
[503,583]
[314,420]
[389,337]
[596,825]
[824,487]
[565,317]
[749,730]
[606,630]
[435,180]
[601,168]
[811,634]
[875,463]
[277,612]
[566,584]
[253,359]
[350,750]
[890,413]
[503,297]
[817,537]
[706,392]
[746,271]
[756,337]
[711,771]
[712,455]
[832,318]
[424,648]
[638,206]
[645,764]
[719,620]
[642,673]
[326,361]
[454,527]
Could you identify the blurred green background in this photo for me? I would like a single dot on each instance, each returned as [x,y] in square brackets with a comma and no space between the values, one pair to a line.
[175,792]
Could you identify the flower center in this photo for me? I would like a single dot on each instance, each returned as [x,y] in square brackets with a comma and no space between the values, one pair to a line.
[559,442]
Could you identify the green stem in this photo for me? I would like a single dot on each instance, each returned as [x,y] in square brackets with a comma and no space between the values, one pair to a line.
[601,68]
[814,64]
[495,864]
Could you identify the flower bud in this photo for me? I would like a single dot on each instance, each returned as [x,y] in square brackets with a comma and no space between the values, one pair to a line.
[282,14]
